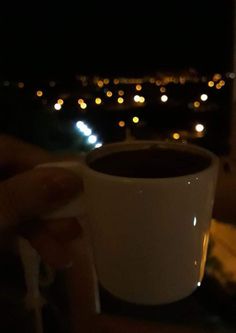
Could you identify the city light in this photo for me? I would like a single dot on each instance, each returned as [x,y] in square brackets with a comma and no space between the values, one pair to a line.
[136,98]
[162,89]
[204,97]
[109,93]
[135,120]
[211,84]
[176,136]
[121,123]
[100,83]
[99,144]
[20,85]
[80,101]
[39,93]
[92,139]
[199,128]
[57,106]
[164,98]
[120,100]
[98,101]
[141,99]
[196,104]
[83,105]
[138,87]
[60,101]
[121,93]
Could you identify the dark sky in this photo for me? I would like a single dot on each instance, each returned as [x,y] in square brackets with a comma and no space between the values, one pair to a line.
[117,40]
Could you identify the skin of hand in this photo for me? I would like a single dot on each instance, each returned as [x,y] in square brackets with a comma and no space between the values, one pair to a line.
[26,193]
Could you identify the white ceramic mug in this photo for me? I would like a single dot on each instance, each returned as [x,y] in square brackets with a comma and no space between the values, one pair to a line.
[149,236]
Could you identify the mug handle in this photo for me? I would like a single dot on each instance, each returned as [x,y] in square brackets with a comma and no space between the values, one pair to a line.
[83,263]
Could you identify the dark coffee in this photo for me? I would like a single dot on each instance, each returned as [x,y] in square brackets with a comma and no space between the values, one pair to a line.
[151,163]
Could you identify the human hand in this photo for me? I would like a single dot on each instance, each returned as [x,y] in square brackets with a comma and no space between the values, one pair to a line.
[27,193]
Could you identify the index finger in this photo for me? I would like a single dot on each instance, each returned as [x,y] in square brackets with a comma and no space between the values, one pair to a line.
[17,155]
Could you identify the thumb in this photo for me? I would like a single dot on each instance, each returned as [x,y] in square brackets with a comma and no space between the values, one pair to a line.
[31,194]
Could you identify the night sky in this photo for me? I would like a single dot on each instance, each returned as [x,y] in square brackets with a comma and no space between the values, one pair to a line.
[117,40]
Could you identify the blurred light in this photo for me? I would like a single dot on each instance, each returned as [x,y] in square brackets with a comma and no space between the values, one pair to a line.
[57,106]
[83,106]
[164,98]
[135,120]
[87,131]
[222,83]
[194,221]
[92,139]
[162,89]
[6,83]
[60,101]
[98,100]
[20,84]
[80,101]
[232,76]
[218,86]
[136,98]
[100,83]
[39,93]
[138,87]
[204,97]
[121,93]
[120,100]
[196,104]
[121,123]
[199,128]
[99,144]
[152,80]
[158,82]
[176,136]
[217,77]
[199,284]
[109,93]
[80,125]
[106,81]
[116,81]
[141,99]
[211,84]
[52,84]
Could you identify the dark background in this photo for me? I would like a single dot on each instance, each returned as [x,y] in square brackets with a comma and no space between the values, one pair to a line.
[115,38]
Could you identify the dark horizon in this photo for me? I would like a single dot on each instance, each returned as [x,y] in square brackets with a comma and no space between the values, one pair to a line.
[199,36]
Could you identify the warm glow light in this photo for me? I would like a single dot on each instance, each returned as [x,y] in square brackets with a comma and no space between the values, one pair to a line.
[135,120]
[204,97]
[196,104]
[218,86]
[120,100]
[217,77]
[176,136]
[136,98]
[83,105]
[121,123]
[116,81]
[211,84]
[158,82]
[57,106]
[106,81]
[138,87]
[39,93]
[109,93]
[60,101]
[121,93]
[80,101]
[21,84]
[222,83]
[100,83]
[199,128]
[98,101]
[164,98]
[162,89]
[141,99]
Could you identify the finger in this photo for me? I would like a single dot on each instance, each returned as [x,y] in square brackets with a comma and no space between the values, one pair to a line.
[17,155]
[63,230]
[51,251]
[34,193]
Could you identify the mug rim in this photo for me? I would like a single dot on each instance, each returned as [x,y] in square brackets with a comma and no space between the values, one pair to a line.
[115,147]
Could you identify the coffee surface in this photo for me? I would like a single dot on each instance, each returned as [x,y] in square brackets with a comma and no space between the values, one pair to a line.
[151,163]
